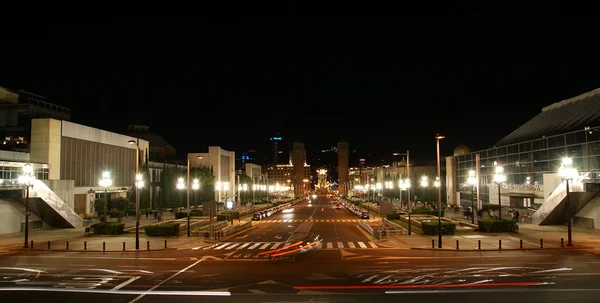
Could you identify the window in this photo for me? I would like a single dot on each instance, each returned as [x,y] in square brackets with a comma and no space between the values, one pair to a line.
[501,151]
[556,141]
[593,135]
[574,138]
[574,151]
[540,166]
[525,158]
[540,155]
[594,148]
[556,153]
[513,149]
[525,147]
[540,144]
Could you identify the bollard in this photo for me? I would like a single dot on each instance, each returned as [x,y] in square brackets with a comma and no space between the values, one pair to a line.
[165,243]
[123,245]
[521,244]
[103,246]
[148,245]
[84,245]
[456,244]
[478,244]
[31,244]
[432,243]
[499,244]
[67,245]
[541,243]
[562,243]
[48,244]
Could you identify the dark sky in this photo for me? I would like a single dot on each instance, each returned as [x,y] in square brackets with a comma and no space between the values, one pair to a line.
[385,83]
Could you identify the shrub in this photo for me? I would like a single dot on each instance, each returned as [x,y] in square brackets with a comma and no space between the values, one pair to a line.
[116,214]
[493,225]
[196,213]
[162,230]
[179,215]
[120,203]
[99,205]
[112,228]
[488,207]
[221,217]
[131,212]
[431,228]
[394,216]
[426,211]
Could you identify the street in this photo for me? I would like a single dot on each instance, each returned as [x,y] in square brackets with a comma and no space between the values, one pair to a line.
[223,273]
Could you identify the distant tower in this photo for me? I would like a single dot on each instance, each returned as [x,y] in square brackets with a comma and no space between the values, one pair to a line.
[342,151]
[298,163]
[275,149]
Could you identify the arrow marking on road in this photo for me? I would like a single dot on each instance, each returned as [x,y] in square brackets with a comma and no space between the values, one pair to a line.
[278,237]
[241,237]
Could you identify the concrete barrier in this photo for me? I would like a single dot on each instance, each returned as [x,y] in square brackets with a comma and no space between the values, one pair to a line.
[366,227]
[233,229]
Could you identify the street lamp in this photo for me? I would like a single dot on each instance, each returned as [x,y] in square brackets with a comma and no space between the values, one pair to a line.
[472,180]
[567,172]
[188,192]
[405,185]
[26,178]
[439,137]
[105,182]
[499,177]
[389,185]
[180,186]
[137,192]
[139,183]
[424,183]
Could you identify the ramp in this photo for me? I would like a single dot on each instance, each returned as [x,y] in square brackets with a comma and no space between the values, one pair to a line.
[553,210]
[49,207]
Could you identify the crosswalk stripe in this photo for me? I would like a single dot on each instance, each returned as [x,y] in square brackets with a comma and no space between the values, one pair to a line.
[279,221]
[232,246]
[244,245]
[253,246]
[340,244]
[351,245]
[221,246]
[276,245]
[265,246]
[362,245]
[372,245]
[329,245]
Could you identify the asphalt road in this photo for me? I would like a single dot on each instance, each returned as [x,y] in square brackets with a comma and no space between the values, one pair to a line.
[326,275]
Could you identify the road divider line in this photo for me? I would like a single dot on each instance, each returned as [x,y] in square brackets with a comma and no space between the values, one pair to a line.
[165,281]
[125,283]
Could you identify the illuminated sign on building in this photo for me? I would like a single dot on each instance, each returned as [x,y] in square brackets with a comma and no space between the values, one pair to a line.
[276,138]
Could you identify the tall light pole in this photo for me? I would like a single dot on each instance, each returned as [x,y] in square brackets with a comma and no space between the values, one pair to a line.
[499,178]
[472,180]
[439,137]
[105,182]
[26,178]
[425,183]
[188,193]
[195,187]
[137,192]
[567,172]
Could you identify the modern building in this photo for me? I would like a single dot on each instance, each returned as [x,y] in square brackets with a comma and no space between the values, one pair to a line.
[17,108]
[283,174]
[276,149]
[160,150]
[250,156]
[68,160]
[222,163]
[343,150]
[531,157]
[253,171]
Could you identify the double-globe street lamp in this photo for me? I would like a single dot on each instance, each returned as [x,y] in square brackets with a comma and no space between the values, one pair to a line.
[26,178]
[568,172]
[499,178]
[439,137]
[180,186]
[405,185]
[472,180]
[105,182]
[139,183]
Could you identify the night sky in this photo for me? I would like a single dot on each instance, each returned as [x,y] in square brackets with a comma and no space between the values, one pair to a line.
[385,83]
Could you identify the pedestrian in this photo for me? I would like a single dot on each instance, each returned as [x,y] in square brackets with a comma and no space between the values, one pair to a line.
[516,216]
[146,214]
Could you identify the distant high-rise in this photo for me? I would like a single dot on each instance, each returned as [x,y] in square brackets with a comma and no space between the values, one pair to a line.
[276,149]
[343,151]
[298,155]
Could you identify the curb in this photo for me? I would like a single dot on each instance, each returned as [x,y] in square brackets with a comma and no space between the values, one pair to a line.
[91,250]
[235,234]
[496,249]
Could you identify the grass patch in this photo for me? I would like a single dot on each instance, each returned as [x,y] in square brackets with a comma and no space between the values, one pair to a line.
[413,227]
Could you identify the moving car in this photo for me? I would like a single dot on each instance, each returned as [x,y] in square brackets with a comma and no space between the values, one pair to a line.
[338,206]
[364,215]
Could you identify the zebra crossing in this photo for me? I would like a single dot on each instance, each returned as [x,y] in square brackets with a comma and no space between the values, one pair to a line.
[311,220]
[258,246]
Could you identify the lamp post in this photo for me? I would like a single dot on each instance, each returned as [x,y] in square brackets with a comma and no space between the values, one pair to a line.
[137,193]
[439,137]
[567,172]
[180,186]
[105,182]
[425,182]
[188,192]
[26,178]
[472,180]
[499,178]
[405,185]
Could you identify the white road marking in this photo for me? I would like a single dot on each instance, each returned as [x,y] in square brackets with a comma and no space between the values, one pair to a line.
[329,245]
[351,245]
[276,245]
[373,245]
[244,245]
[232,246]
[125,283]
[340,244]
[265,246]
[362,245]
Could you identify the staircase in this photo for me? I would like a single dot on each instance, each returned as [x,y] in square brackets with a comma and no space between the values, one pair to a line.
[553,210]
[49,207]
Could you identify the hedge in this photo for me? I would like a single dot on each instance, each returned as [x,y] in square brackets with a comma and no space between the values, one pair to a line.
[196,213]
[493,225]
[221,217]
[426,211]
[431,228]
[162,230]
[116,214]
[112,228]
[394,216]
[179,215]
